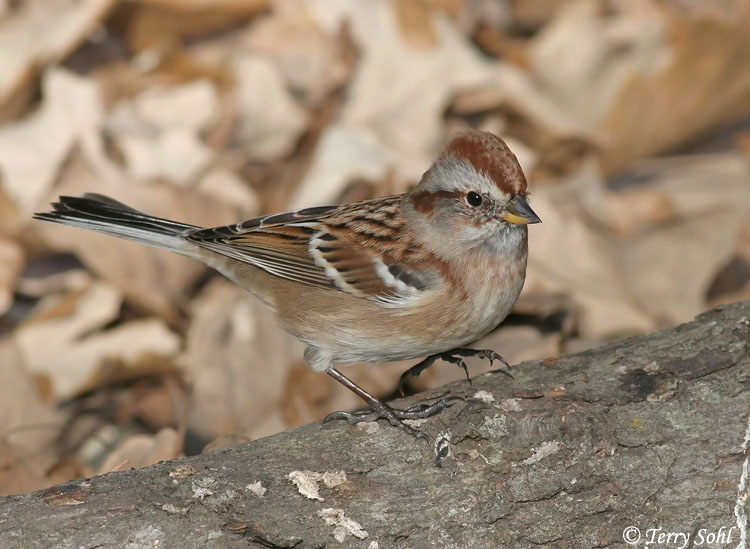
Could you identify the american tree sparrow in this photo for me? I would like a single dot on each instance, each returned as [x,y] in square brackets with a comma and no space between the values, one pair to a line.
[393,278]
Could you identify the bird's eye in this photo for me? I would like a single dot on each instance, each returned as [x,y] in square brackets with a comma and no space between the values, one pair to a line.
[474,199]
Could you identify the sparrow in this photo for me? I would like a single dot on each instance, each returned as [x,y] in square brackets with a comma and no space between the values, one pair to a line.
[394,278]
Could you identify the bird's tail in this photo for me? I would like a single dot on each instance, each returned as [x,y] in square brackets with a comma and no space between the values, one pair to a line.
[105,215]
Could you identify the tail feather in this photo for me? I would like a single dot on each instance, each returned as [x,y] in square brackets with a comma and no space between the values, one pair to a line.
[105,215]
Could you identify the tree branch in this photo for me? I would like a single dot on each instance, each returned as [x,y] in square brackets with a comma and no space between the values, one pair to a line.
[645,433]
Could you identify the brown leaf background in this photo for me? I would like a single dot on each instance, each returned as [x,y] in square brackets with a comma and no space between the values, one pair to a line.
[631,120]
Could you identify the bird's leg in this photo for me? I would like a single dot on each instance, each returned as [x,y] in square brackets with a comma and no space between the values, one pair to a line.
[381,410]
[454,356]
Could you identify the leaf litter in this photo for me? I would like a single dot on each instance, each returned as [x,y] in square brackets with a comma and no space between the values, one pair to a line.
[630,120]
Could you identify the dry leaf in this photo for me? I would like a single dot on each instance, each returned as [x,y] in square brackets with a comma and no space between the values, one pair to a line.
[270,121]
[160,27]
[635,81]
[224,6]
[313,61]
[158,132]
[237,357]
[28,426]
[226,186]
[177,155]
[11,263]
[10,219]
[155,279]
[633,210]
[143,450]
[343,155]
[732,282]
[532,14]
[193,105]
[710,198]
[22,470]
[156,400]
[39,32]
[415,22]
[32,150]
[567,256]
[26,420]
[628,280]
[73,349]
[380,104]
[400,92]
[647,77]
[583,59]
[704,83]
[52,280]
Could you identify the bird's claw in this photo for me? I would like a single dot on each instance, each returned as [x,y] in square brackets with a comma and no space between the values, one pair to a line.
[396,416]
[454,357]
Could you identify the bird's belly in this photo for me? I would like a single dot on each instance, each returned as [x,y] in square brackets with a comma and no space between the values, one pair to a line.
[386,336]
[347,329]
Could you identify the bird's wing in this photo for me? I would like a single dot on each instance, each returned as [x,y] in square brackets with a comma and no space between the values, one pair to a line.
[359,249]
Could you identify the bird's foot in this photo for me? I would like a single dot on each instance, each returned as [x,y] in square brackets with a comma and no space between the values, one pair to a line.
[395,416]
[454,356]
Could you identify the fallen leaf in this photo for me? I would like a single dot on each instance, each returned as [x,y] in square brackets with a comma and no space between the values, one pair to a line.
[652,263]
[269,120]
[314,61]
[10,219]
[343,155]
[633,210]
[32,150]
[193,105]
[36,33]
[379,108]
[156,137]
[143,450]
[569,257]
[155,279]
[710,196]
[11,263]
[581,50]
[160,27]
[74,350]
[391,73]
[237,358]
[22,470]
[177,155]
[635,81]
[226,186]
[29,426]
[697,84]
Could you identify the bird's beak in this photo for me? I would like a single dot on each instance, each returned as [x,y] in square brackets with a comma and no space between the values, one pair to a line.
[519,212]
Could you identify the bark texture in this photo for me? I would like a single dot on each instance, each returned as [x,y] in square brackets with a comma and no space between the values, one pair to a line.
[577,451]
